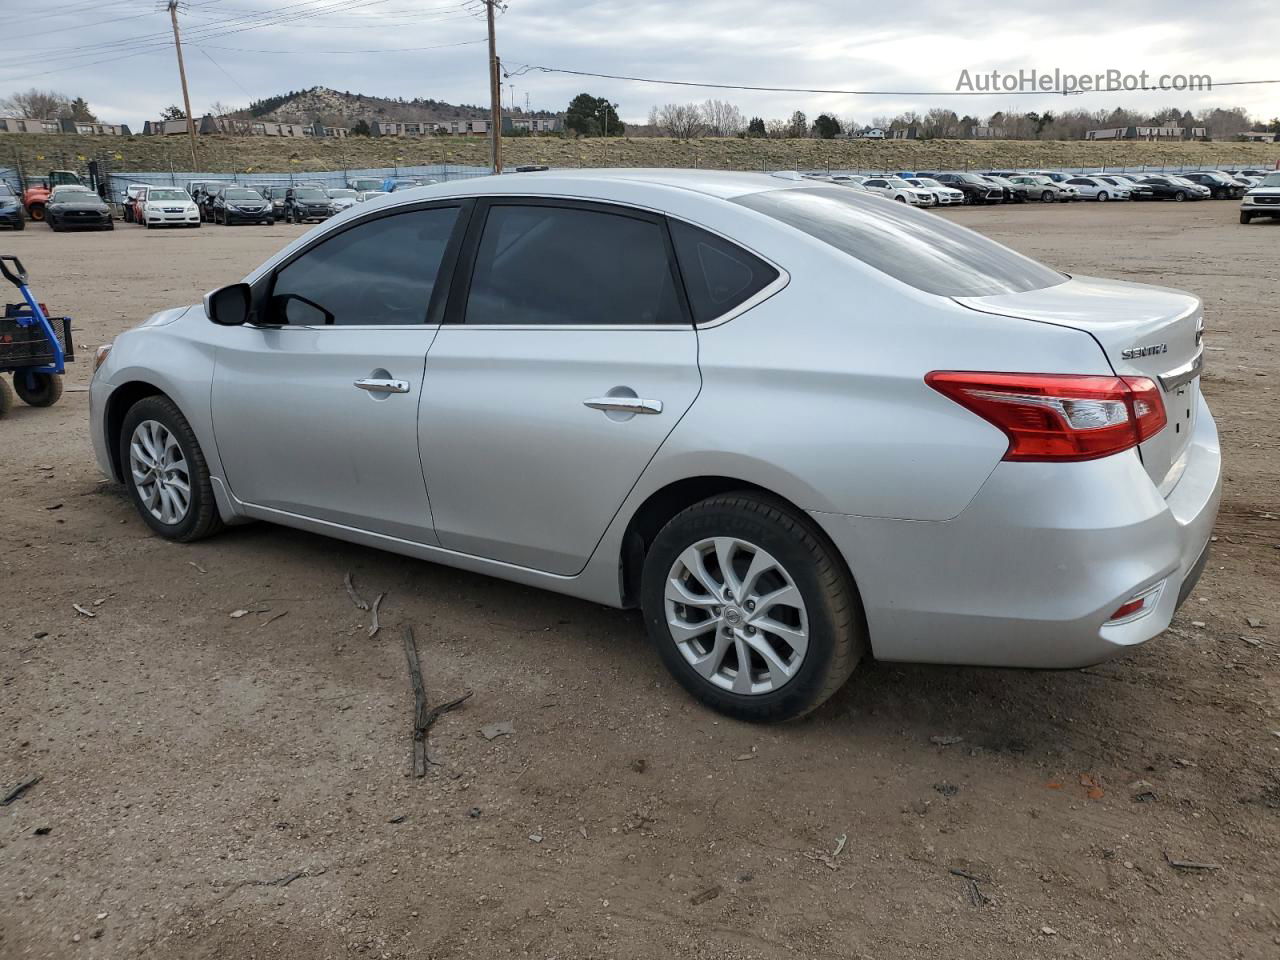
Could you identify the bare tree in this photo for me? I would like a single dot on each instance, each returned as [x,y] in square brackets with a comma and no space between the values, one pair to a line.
[722,119]
[680,120]
[37,104]
[220,109]
[777,129]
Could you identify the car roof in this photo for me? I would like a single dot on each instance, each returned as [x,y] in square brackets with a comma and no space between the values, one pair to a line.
[724,184]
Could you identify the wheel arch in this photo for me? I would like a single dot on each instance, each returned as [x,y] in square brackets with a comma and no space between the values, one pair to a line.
[119,403]
[664,503]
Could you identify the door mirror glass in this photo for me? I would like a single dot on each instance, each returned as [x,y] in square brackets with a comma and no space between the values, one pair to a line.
[228,306]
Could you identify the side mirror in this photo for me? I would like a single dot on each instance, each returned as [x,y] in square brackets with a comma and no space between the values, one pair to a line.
[228,306]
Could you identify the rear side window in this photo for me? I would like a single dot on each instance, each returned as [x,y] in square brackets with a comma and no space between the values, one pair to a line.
[718,275]
[926,251]
[381,271]
[553,266]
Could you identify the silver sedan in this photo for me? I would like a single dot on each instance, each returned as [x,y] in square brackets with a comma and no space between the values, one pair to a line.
[795,423]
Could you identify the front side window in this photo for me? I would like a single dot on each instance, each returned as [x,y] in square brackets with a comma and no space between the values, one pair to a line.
[552,266]
[926,251]
[380,271]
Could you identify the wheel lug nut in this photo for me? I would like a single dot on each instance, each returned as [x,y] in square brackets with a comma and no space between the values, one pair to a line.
[716,611]
[750,604]
[728,594]
[751,631]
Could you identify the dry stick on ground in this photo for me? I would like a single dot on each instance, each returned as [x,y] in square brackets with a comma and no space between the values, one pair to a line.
[423,718]
[22,788]
[351,592]
[375,626]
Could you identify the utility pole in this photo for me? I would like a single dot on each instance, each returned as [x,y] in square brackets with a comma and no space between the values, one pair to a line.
[495,94]
[182,74]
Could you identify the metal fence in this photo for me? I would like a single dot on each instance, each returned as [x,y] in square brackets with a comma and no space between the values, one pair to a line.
[329,179]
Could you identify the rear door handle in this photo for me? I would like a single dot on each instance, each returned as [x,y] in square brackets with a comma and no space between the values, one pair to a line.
[375,385]
[623,404]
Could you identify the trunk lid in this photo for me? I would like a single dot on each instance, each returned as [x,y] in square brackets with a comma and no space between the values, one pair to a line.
[1144,331]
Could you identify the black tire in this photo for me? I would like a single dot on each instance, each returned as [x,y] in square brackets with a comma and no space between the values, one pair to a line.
[6,397]
[202,519]
[270,222]
[36,211]
[1046,197]
[46,392]
[1102,197]
[837,635]
[52,224]
[1180,196]
[21,223]
[1244,217]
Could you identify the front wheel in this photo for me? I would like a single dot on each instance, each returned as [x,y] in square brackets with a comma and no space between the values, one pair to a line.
[1046,197]
[1244,217]
[37,389]
[36,212]
[1180,196]
[751,608]
[1102,197]
[165,471]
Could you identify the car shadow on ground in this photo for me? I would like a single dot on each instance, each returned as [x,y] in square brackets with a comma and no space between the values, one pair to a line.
[1034,713]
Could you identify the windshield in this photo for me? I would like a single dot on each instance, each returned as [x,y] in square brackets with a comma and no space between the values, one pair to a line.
[920,249]
[898,182]
[242,194]
[167,195]
[368,184]
[309,193]
[72,193]
[1271,180]
[340,194]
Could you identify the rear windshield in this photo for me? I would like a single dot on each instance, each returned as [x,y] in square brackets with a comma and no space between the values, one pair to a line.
[921,249]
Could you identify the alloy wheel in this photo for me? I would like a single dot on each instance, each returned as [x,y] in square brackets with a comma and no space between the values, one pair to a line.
[736,615]
[160,472]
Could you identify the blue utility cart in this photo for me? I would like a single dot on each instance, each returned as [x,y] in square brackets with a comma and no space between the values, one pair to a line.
[33,347]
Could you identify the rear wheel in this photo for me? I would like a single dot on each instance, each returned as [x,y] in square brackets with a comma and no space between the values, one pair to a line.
[751,608]
[165,471]
[38,389]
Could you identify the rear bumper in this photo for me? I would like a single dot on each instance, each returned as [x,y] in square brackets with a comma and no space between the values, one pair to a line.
[1029,573]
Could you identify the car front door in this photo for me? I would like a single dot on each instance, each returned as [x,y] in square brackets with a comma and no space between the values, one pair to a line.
[567,357]
[315,406]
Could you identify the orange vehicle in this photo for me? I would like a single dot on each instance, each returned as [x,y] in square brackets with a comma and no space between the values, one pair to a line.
[37,193]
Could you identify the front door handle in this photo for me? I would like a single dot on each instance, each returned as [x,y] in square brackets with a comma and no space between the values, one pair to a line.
[623,405]
[379,385]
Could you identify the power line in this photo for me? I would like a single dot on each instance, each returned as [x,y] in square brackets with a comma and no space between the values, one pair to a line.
[310,52]
[527,68]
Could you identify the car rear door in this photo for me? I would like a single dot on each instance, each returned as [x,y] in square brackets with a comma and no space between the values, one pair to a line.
[567,357]
[315,408]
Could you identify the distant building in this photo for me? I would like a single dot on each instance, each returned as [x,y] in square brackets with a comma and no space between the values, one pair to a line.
[85,127]
[1261,136]
[905,133]
[230,126]
[1167,132]
[534,123]
[870,133]
[988,133]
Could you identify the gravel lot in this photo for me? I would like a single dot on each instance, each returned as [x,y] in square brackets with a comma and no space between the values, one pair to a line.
[238,787]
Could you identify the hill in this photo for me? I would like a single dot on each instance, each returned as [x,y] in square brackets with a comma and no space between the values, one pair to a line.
[343,108]
[40,152]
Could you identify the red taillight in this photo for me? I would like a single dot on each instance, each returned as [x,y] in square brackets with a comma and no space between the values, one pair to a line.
[1058,416]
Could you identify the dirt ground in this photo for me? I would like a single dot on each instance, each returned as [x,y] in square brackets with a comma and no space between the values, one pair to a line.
[221,787]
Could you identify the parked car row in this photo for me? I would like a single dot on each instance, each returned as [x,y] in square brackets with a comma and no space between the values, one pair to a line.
[924,189]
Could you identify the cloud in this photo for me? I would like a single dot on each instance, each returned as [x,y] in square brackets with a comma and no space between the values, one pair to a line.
[807,44]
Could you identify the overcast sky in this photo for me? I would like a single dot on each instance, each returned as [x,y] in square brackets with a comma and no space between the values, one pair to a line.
[118,54]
